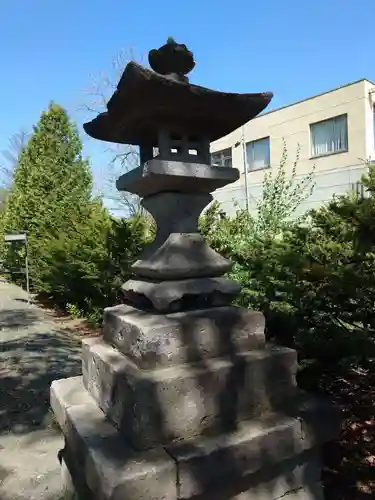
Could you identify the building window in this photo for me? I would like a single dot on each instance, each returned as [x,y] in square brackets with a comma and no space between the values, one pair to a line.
[222,158]
[258,154]
[329,136]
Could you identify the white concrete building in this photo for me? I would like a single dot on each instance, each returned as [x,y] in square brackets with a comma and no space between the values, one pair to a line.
[334,130]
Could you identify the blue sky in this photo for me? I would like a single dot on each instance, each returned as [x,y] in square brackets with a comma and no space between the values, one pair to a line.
[294,48]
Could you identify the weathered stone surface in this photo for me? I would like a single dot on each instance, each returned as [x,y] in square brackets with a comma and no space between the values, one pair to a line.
[180,256]
[180,402]
[156,176]
[279,481]
[204,463]
[173,60]
[263,459]
[153,340]
[112,470]
[178,250]
[173,296]
[67,393]
[175,212]
[182,148]
[145,101]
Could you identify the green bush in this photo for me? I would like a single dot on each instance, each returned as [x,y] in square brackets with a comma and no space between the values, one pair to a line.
[87,272]
[315,281]
[79,255]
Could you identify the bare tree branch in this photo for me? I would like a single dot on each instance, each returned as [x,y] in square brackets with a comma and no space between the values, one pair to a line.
[10,157]
[104,84]
[121,158]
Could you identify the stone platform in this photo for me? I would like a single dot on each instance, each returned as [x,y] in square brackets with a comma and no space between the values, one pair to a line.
[192,404]
[181,402]
[262,459]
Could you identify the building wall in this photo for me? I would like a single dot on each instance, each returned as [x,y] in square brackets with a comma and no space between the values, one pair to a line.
[369,105]
[327,184]
[334,173]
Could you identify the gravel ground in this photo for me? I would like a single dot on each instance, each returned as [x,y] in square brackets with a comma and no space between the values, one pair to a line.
[34,350]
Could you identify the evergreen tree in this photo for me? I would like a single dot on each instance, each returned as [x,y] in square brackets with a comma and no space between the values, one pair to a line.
[52,182]
[50,200]
[79,255]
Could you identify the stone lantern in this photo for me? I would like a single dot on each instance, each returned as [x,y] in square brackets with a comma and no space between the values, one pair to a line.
[183,398]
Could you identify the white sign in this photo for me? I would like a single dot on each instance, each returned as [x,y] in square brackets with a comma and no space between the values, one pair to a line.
[15,237]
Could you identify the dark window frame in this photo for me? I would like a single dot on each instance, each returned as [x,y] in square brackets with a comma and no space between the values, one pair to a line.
[329,153]
[248,166]
[218,158]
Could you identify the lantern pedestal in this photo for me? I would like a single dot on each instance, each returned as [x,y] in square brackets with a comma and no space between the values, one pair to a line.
[183,398]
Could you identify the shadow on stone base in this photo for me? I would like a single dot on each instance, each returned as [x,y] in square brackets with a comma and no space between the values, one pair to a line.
[265,459]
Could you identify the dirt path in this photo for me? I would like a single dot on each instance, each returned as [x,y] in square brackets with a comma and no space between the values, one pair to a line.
[34,350]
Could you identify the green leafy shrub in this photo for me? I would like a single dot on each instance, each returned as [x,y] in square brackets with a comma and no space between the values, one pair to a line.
[79,254]
[315,281]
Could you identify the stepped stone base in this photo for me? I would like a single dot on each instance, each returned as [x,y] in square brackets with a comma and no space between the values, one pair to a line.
[266,459]
[180,402]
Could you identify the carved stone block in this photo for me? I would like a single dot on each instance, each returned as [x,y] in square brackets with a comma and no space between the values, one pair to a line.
[180,402]
[153,340]
[180,295]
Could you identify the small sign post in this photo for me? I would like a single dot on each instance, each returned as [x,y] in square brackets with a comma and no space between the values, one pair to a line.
[15,237]
[9,238]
